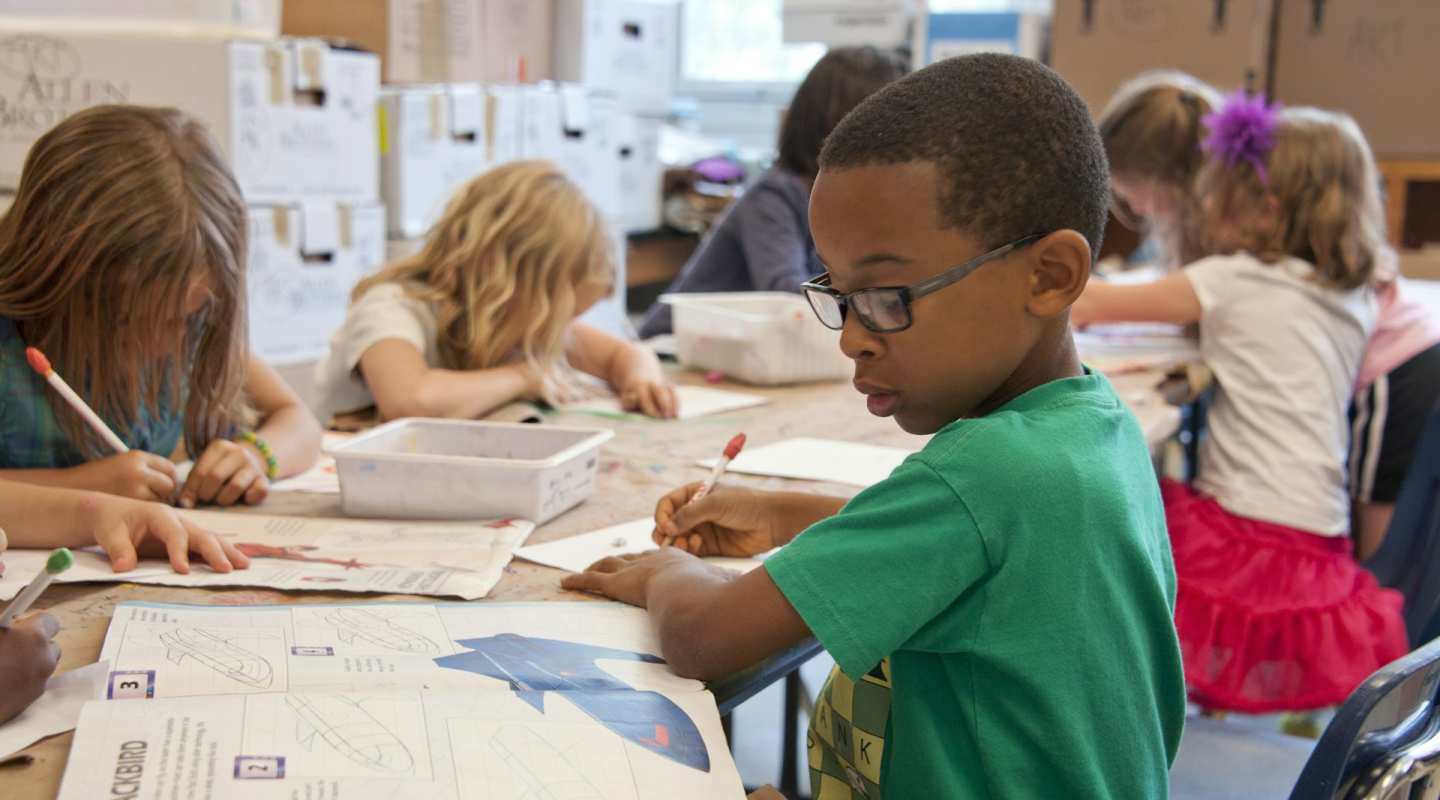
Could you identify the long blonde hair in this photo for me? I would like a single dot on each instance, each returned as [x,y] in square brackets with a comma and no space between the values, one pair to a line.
[1325,188]
[502,265]
[121,210]
[1152,129]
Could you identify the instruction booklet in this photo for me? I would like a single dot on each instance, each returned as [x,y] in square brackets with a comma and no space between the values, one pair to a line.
[371,700]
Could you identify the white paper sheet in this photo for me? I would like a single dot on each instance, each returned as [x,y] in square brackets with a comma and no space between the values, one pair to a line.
[440,559]
[319,479]
[575,553]
[57,710]
[1125,347]
[695,401]
[819,460]
[382,700]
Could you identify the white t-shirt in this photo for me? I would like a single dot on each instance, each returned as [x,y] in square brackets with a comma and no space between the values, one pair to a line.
[384,312]
[1285,351]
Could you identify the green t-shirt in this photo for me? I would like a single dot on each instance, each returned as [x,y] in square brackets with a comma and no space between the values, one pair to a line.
[1017,574]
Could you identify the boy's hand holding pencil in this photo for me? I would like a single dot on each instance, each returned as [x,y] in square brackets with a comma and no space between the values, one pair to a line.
[728,521]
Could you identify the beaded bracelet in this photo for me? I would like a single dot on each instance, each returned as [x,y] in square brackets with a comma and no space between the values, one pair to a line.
[272,467]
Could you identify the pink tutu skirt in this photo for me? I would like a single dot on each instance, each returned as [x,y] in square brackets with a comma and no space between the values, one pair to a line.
[1273,618]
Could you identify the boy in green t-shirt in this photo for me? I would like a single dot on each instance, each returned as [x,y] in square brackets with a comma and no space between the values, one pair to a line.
[1008,589]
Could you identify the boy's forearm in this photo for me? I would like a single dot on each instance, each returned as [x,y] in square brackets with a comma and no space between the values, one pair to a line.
[677,597]
[713,622]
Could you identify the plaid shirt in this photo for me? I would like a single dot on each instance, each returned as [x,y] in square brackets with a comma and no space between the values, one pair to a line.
[30,434]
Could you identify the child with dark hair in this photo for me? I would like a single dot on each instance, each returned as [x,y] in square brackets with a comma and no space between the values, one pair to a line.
[763,242]
[1000,607]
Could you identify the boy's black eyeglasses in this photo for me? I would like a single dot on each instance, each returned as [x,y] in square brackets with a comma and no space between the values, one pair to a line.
[886,309]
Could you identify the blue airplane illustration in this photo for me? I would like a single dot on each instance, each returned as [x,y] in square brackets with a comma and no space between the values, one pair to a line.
[535,666]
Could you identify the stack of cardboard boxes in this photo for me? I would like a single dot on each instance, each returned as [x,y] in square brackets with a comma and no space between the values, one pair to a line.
[294,117]
[1373,60]
[468,87]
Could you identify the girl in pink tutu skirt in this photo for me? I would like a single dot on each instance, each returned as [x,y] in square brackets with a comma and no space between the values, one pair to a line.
[1273,612]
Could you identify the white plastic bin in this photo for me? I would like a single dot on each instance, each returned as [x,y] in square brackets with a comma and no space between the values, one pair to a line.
[765,338]
[454,469]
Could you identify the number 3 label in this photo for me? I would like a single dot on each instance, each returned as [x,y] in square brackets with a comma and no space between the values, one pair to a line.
[131,685]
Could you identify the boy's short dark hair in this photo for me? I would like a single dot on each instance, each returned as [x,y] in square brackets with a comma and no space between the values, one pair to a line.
[1014,144]
[836,84]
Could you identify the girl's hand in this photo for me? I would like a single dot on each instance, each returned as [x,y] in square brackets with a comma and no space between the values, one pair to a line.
[137,474]
[226,473]
[651,395]
[28,656]
[127,529]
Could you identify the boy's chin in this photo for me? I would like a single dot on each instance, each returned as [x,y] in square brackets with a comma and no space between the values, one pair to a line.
[918,422]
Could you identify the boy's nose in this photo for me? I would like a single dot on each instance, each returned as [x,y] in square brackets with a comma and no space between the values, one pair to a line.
[858,342]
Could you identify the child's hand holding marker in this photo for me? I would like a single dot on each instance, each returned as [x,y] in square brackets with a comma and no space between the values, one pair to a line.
[28,653]
[225,474]
[732,449]
[28,657]
[730,522]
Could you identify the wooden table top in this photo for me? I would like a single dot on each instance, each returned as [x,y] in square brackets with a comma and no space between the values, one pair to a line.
[644,460]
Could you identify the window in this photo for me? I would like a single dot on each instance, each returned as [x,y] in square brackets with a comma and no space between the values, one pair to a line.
[734,47]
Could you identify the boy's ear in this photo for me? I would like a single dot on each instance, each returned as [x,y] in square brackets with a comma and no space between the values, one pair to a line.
[1060,267]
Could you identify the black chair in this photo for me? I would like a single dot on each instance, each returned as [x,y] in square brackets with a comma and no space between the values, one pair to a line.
[1409,558]
[1385,741]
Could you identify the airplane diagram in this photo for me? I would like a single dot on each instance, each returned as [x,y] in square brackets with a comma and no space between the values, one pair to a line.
[344,724]
[534,666]
[540,767]
[358,624]
[218,654]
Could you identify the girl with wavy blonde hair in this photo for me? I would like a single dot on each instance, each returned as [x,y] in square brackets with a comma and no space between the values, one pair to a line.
[123,260]
[485,313]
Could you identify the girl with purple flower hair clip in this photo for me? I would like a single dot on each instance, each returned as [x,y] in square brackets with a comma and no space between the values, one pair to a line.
[1273,611]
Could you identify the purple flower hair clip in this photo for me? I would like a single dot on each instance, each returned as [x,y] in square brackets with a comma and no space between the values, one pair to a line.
[1243,129]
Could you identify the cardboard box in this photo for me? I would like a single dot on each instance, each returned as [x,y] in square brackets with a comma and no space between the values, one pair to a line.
[304,260]
[503,123]
[627,48]
[434,141]
[436,41]
[258,18]
[946,35]
[1421,264]
[589,152]
[541,124]
[1375,60]
[1097,45]
[641,174]
[295,118]
[845,22]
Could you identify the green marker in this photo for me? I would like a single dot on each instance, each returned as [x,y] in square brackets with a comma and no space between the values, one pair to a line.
[59,561]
